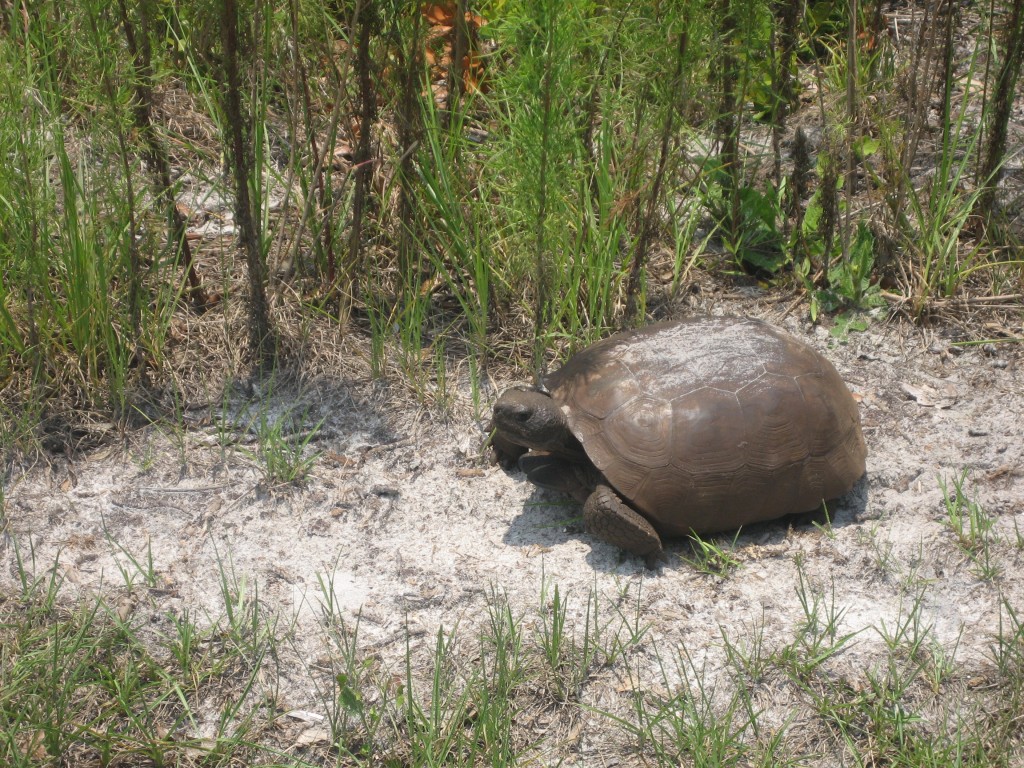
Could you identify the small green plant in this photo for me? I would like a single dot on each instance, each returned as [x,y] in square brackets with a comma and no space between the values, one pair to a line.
[964,517]
[972,526]
[144,569]
[552,630]
[826,526]
[882,549]
[434,731]
[185,641]
[244,621]
[755,241]
[748,659]
[694,721]
[633,623]
[502,658]
[711,557]
[941,662]
[907,633]
[1018,535]
[818,637]
[281,449]
[845,322]
[986,567]
[849,283]
[355,720]
[940,219]
[569,656]
[850,278]
[1008,650]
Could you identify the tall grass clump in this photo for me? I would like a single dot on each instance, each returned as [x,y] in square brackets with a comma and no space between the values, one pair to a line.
[533,222]
[74,320]
[468,182]
[591,106]
[927,171]
[1010,58]
[539,161]
[934,232]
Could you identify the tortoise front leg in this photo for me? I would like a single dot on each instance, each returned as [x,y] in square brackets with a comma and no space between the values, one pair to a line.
[555,473]
[606,516]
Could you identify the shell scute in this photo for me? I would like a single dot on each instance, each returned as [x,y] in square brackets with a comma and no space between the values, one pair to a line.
[775,437]
[645,425]
[708,425]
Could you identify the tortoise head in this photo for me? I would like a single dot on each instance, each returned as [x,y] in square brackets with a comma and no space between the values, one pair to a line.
[530,418]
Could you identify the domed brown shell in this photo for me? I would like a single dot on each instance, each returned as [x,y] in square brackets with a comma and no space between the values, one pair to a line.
[713,423]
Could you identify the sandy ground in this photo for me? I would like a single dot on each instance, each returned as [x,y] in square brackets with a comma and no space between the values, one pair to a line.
[414,528]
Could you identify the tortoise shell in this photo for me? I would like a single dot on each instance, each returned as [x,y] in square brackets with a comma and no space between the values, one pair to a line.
[708,424]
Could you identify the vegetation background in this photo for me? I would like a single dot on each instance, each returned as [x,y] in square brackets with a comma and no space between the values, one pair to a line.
[480,183]
[196,194]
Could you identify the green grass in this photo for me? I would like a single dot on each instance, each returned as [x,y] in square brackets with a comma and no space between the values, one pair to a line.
[118,679]
[282,446]
[85,679]
[712,557]
[971,525]
[513,226]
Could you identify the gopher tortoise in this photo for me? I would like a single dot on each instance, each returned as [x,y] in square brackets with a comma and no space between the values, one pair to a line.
[699,426]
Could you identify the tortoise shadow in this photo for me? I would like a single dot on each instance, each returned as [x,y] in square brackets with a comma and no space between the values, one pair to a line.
[547,519]
[550,518]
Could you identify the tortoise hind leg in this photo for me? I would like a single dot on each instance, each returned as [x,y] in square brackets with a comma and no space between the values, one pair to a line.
[606,516]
